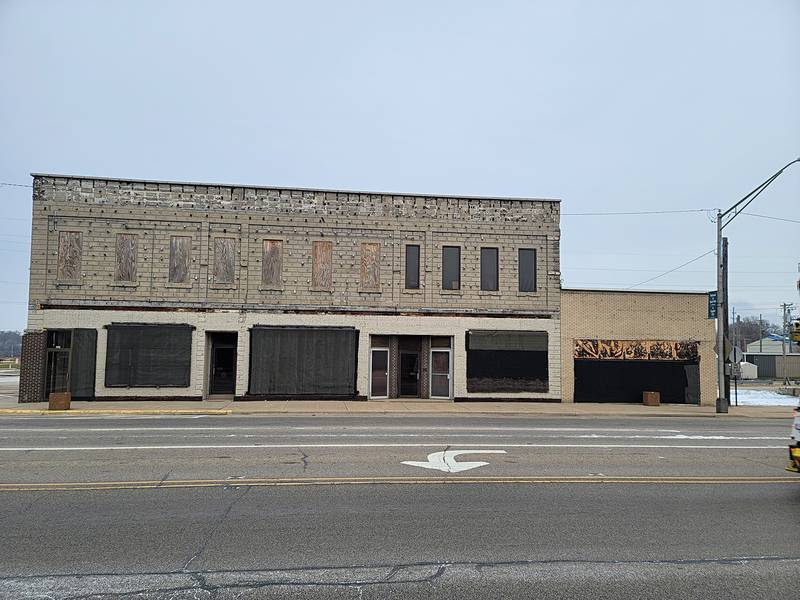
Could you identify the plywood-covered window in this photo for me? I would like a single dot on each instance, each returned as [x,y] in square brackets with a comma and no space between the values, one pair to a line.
[371,267]
[322,265]
[180,250]
[224,261]
[126,257]
[271,263]
[69,256]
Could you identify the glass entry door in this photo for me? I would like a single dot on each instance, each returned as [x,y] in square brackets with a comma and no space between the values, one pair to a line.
[441,366]
[379,373]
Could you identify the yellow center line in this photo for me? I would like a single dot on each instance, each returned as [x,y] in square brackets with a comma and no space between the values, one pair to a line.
[399,480]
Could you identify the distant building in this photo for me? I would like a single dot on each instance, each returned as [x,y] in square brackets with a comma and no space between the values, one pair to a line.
[772,344]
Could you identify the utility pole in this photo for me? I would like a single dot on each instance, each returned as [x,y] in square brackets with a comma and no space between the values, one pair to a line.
[784,338]
[760,334]
[722,284]
[722,401]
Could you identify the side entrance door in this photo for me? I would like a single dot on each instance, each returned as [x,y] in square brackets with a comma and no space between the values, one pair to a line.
[441,368]
[379,373]
[223,363]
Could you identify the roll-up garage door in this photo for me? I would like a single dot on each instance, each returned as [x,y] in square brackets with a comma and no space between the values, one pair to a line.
[140,355]
[318,362]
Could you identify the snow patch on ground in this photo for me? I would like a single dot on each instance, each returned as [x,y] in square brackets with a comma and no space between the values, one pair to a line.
[763,398]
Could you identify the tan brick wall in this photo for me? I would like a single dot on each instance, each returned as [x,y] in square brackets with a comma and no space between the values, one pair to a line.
[587,314]
[242,321]
[153,211]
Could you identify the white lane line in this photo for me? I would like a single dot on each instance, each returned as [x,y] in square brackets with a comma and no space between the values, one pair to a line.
[369,429]
[409,445]
[427,435]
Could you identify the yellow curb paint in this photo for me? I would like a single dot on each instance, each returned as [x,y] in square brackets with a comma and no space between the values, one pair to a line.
[111,411]
[205,483]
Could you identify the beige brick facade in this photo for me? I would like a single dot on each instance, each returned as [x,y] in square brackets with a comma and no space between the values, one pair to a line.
[250,255]
[242,321]
[102,209]
[624,315]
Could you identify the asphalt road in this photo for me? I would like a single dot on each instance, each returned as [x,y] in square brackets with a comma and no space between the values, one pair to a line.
[324,507]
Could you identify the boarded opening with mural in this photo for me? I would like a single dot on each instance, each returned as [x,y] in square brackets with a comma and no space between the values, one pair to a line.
[621,370]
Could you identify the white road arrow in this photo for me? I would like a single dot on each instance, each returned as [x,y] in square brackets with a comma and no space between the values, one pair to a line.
[446,461]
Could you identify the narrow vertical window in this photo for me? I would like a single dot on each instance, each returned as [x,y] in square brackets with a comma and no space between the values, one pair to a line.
[271,263]
[69,256]
[371,267]
[180,249]
[527,270]
[412,267]
[451,268]
[322,265]
[126,257]
[489,270]
[224,261]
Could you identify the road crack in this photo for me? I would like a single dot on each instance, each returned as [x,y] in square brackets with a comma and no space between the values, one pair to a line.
[214,529]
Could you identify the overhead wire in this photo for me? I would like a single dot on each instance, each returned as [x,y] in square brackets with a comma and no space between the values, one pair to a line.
[672,270]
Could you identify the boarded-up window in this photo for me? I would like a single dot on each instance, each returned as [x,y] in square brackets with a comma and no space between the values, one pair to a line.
[224,260]
[69,256]
[451,268]
[180,248]
[527,270]
[489,269]
[271,263]
[371,267]
[412,267]
[318,362]
[126,257]
[148,355]
[322,265]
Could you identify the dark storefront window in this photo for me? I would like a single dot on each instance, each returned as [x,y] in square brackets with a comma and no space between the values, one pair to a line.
[148,355]
[451,268]
[412,267]
[527,270]
[507,361]
[489,270]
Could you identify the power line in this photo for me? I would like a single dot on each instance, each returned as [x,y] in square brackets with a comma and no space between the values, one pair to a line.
[15,184]
[645,212]
[672,270]
[770,217]
[565,268]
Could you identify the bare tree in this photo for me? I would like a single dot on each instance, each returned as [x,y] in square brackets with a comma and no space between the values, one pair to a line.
[749,329]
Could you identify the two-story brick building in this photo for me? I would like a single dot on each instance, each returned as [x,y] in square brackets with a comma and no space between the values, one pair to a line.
[141,289]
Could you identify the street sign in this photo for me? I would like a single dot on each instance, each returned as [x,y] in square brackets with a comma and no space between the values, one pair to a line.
[712,305]
[736,370]
[736,355]
[446,461]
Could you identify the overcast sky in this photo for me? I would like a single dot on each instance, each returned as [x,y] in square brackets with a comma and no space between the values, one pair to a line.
[613,106]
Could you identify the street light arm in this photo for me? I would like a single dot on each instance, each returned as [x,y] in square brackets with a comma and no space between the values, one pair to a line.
[760,188]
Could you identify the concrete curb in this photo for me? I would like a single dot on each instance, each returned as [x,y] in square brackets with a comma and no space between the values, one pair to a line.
[422,411]
[111,411]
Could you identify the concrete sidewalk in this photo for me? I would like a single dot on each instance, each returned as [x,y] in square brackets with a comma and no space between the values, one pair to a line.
[339,407]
